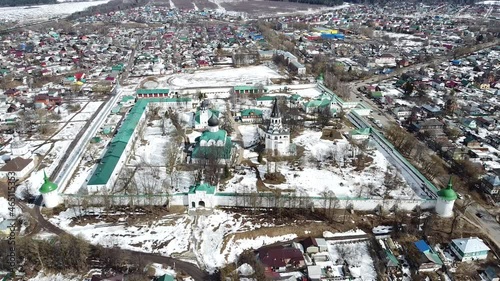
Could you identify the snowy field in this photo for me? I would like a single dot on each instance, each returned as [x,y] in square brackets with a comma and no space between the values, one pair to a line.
[221,77]
[176,235]
[250,134]
[30,13]
[317,176]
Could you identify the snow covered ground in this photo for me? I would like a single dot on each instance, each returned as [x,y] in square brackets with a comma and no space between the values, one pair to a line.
[179,235]
[358,257]
[317,177]
[30,13]
[250,134]
[221,77]
[4,210]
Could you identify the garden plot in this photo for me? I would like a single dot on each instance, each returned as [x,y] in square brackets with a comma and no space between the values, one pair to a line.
[358,257]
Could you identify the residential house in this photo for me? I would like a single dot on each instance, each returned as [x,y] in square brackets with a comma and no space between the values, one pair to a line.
[472,142]
[490,274]
[422,257]
[391,262]
[469,249]
[19,165]
[401,112]
[314,245]
[491,184]
[432,126]
[279,259]
[385,59]
[165,277]
[251,116]
[47,101]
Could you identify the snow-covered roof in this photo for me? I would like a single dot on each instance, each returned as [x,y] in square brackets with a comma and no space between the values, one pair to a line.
[470,245]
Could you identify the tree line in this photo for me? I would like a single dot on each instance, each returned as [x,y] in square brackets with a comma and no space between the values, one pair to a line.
[13,3]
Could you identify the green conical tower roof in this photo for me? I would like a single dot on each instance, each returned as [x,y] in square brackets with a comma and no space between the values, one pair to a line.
[47,185]
[448,193]
[320,77]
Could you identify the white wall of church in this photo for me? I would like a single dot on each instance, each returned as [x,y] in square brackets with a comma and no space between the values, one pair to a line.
[201,199]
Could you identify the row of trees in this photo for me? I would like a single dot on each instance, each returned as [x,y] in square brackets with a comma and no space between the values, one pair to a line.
[68,254]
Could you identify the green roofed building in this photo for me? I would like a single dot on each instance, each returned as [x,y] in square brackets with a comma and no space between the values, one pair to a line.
[446,200]
[165,277]
[214,145]
[251,116]
[202,195]
[106,171]
[249,89]
[49,192]
[203,114]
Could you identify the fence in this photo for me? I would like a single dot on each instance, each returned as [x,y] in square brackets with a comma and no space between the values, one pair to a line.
[251,200]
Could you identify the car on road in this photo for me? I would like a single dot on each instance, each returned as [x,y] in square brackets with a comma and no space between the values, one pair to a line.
[479,215]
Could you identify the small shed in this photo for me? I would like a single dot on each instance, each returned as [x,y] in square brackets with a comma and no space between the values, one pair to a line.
[322,246]
[310,245]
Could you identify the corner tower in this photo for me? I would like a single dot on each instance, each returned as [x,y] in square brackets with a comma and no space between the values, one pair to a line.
[446,200]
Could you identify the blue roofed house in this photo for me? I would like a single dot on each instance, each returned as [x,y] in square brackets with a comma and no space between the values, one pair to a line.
[427,259]
[469,249]
[491,184]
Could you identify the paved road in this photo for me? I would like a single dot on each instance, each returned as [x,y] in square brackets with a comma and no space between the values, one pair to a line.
[416,181]
[488,223]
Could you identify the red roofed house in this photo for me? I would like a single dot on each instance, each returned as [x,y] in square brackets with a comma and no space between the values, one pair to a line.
[43,100]
[79,76]
[280,259]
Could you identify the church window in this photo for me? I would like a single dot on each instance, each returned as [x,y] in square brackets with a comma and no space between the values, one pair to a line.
[275,138]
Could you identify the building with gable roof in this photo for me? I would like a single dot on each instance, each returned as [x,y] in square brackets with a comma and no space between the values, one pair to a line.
[202,195]
[469,249]
[491,184]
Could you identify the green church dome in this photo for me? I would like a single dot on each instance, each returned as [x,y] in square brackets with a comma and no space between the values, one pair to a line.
[448,194]
[47,185]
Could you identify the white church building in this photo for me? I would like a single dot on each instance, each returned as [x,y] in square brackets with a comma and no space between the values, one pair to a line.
[277,137]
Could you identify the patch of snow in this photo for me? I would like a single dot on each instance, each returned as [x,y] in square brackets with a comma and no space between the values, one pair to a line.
[30,13]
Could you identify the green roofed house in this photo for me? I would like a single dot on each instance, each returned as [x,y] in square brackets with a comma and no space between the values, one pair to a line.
[166,277]
[360,134]
[251,116]
[202,195]
[249,89]
[265,100]
[49,192]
